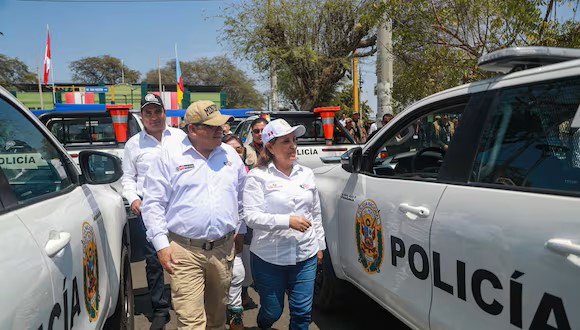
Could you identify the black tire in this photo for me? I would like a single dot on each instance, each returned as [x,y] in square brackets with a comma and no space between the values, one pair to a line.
[330,292]
[123,319]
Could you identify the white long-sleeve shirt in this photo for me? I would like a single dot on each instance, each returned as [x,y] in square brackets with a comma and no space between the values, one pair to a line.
[270,198]
[192,196]
[140,151]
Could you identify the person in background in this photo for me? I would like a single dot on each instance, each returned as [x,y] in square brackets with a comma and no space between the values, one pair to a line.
[343,119]
[442,131]
[387,117]
[359,128]
[192,210]
[234,141]
[282,205]
[256,145]
[235,308]
[140,151]
[227,129]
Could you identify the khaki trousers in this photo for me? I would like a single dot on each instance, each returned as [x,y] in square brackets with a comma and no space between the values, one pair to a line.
[199,285]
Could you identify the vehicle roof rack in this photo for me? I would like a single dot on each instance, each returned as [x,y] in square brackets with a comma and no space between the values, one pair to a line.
[522,58]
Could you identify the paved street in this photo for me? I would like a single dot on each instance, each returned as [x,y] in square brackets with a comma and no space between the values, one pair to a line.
[364,314]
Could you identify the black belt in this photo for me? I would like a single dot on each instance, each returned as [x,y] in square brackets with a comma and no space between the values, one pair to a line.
[206,245]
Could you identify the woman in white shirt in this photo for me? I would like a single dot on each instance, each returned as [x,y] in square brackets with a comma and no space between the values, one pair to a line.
[281,204]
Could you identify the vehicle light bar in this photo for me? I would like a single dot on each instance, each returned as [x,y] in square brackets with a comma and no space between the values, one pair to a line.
[521,58]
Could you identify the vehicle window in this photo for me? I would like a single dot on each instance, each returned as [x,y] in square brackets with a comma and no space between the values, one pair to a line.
[133,126]
[418,150]
[532,140]
[31,163]
[82,130]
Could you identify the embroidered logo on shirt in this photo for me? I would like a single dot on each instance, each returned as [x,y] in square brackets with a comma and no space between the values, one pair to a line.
[305,186]
[184,167]
[273,186]
[228,163]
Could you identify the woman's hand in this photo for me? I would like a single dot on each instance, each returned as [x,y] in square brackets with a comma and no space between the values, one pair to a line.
[300,223]
[319,256]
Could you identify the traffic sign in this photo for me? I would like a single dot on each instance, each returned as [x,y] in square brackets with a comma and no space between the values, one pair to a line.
[96,89]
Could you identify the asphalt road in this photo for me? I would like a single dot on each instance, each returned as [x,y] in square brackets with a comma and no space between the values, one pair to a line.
[364,313]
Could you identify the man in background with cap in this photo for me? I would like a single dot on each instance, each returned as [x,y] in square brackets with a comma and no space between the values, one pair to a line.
[140,151]
[192,199]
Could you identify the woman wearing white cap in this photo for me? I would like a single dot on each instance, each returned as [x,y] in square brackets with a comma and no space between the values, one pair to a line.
[281,204]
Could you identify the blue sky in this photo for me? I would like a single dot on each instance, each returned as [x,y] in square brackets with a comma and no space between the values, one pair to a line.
[136,32]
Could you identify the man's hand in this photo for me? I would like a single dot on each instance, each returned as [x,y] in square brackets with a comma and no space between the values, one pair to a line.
[319,256]
[136,207]
[167,259]
[300,223]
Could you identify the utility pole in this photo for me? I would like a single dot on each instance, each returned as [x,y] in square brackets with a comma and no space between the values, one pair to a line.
[384,69]
[122,72]
[159,72]
[39,84]
[355,83]
[273,74]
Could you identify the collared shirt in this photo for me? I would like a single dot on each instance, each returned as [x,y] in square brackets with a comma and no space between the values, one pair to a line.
[140,151]
[192,196]
[270,198]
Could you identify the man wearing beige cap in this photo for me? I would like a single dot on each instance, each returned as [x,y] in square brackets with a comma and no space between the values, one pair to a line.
[192,196]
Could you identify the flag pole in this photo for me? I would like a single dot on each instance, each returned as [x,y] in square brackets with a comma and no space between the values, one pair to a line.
[48,52]
[39,84]
[159,72]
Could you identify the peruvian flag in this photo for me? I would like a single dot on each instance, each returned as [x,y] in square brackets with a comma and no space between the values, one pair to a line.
[46,59]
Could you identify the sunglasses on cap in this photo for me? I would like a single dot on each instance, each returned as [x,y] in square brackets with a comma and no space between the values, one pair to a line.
[256,131]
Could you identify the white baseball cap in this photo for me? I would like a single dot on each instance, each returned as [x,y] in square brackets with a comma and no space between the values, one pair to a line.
[280,127]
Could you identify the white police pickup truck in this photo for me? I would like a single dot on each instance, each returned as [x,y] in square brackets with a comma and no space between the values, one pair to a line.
[472,225]
[314,149]
[63,232]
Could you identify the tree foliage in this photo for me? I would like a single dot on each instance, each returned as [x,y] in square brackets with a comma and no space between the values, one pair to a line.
[344,99]
[14,71]
[312,42]
[436,43]
[215,71]
[102,69]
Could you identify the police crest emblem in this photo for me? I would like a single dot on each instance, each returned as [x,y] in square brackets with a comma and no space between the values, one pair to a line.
[369,236]
[90,271]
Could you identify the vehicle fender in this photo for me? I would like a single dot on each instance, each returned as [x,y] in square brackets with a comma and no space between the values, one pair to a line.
[330,186]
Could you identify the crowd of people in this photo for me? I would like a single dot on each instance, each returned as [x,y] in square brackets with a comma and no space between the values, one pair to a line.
[219,217]
[438,133]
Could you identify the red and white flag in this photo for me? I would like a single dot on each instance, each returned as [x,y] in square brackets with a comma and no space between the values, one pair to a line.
[46,59]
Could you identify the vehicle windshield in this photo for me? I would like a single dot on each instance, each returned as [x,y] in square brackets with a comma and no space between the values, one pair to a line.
[82,130]
[314,132]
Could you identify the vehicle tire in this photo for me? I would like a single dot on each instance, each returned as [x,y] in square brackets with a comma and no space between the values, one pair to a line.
[123,318]
[330,292]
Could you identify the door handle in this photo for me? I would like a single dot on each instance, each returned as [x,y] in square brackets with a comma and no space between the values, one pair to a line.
[56,242]
[563,246]
[414,211]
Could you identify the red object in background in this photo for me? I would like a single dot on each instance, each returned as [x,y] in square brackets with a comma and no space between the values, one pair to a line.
[46,66]
[327,115]
[120,116]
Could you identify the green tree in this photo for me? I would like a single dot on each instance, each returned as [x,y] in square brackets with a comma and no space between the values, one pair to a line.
[344,99]
[436,44]
[312,42]
[104,68]
[14,71]
[213,71]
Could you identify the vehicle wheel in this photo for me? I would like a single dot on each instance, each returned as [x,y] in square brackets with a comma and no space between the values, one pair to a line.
[123,318]
[329,291]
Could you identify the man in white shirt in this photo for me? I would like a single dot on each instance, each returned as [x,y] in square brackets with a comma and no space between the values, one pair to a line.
[387,117]
[192,196]
[140,150]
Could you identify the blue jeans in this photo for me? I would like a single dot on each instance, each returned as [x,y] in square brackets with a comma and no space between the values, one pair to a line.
[154,270]
[272,281]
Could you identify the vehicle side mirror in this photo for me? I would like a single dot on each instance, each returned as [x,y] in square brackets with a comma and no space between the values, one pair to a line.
[99,167]
[351,160]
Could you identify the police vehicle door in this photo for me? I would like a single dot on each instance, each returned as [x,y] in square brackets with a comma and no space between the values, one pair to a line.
[63,218]
[507,239]
[387,216]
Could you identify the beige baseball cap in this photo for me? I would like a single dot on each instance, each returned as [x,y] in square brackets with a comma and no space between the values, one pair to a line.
[205,112]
